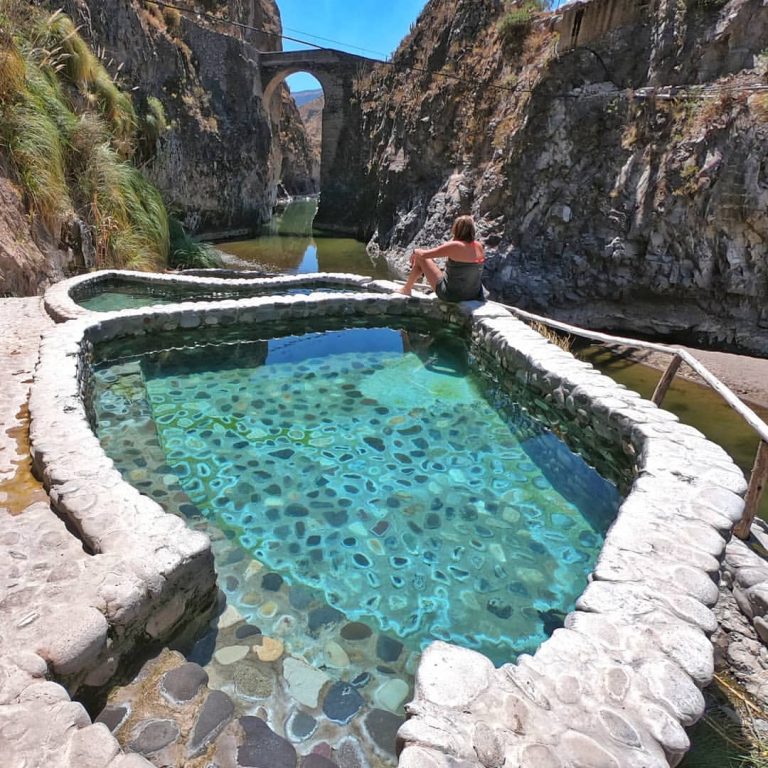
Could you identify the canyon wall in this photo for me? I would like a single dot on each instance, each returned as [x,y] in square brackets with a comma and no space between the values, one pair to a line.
[618,175]
[217,166]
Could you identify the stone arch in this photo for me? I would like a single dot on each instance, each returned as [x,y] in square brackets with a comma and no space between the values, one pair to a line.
[340,155]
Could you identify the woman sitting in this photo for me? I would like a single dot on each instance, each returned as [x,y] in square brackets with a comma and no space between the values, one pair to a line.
[461,280]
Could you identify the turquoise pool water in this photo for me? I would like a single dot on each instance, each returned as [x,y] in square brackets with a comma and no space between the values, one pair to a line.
[115,295]
[373,467]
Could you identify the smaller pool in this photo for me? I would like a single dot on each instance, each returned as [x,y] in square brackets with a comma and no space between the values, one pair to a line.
[124,293]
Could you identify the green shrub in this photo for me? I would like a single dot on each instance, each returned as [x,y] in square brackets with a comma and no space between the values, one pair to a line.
[188,253]
[69,132]
[152,126]
[514,26]
[130,218]
[172,18]
[65,44]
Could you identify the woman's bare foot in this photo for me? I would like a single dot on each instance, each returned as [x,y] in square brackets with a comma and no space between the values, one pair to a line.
[405,291]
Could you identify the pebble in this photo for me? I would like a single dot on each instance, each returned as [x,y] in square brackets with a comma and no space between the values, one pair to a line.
[335,656]
[215,714]
[325,616]
[152,735]
[184,682]
[317,761]
[301,726]
[113,717]
[342,703]
[304,681]
[271,582]
[388,649]
[356,630]
[229,618]
[391,694]
[300,597]
[231,654]
[262,747]
[253,680]
[382,728]
[268,610]
[247,630]
[270,649]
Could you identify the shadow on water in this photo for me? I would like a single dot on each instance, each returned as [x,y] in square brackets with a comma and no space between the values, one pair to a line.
[290,244]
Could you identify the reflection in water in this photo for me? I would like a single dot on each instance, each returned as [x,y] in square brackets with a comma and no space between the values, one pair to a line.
[291,246]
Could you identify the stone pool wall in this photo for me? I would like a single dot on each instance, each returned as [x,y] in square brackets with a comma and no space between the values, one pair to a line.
[615,688]
[61,299]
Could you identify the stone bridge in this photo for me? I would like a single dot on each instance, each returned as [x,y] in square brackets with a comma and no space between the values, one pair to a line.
[342,167]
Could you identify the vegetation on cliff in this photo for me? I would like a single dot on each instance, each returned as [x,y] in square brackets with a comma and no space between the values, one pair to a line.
[74,139]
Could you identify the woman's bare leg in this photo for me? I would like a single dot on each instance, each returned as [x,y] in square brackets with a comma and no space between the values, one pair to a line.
[422,267]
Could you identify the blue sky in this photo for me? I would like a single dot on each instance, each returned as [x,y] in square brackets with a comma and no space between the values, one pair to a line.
[373,25]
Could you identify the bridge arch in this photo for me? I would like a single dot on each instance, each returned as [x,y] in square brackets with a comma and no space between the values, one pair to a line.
[341,166]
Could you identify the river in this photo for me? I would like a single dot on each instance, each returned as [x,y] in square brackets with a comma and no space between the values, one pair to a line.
[291,245]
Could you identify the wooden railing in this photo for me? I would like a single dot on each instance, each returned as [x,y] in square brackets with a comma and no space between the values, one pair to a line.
[759,474]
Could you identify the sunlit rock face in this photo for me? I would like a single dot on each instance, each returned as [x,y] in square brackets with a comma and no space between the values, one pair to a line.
[600,201]
[221,160]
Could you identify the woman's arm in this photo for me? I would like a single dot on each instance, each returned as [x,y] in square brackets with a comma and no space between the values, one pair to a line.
[439,252]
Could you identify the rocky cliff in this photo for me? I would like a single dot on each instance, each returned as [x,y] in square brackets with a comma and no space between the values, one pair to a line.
[618,172]
[218,165]
[311,113]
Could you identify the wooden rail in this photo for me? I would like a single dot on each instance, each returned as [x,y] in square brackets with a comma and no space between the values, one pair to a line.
[759,475]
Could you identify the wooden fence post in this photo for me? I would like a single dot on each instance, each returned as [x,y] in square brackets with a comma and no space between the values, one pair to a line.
[757,482]
[666,380]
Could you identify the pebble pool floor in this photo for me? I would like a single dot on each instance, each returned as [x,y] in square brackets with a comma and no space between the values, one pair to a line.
[113,298]
[365,493]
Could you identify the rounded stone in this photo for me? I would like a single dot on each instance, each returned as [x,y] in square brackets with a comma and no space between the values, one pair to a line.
[271,582]
[262,747]
[253,681]
[215,714]
[356,630]
[301,726]
[342,703]
[317,761]
[230,654]
[304,681]
[113,716]
[184,682]
[382,727]
[268,610]
[270,649]
[391,694]
[541,756]
[335,656]
[388,649]
[247,630]
[299,597]
[153,735]
[229,618]
[323,617]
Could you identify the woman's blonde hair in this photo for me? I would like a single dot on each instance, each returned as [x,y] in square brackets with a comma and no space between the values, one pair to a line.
[463,229]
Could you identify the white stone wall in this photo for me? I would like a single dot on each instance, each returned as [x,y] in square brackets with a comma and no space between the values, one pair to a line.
[616,687]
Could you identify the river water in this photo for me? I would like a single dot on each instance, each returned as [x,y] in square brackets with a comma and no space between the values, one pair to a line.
[291,245]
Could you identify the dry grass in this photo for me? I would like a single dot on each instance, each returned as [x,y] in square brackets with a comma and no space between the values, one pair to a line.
[68,130]
[758,106]
[563,341]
